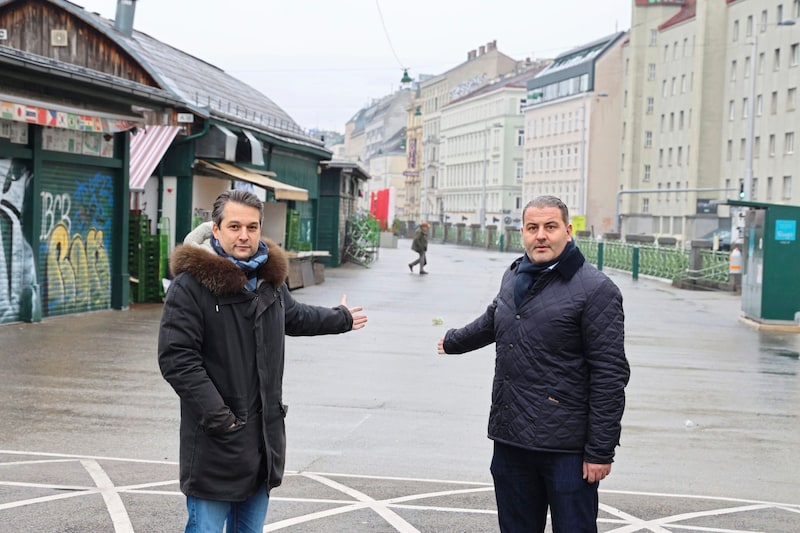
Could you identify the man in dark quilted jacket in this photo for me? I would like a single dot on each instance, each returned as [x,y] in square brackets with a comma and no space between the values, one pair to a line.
[560,374]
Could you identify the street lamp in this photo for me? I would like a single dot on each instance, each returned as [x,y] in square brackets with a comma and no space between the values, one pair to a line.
[751,116]
[482,212]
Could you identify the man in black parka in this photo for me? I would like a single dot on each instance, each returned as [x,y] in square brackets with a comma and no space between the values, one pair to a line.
[221,347]
[560,375]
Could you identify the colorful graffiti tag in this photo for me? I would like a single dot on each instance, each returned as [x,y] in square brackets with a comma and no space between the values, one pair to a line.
[73,270]
[75,238]
[17,267]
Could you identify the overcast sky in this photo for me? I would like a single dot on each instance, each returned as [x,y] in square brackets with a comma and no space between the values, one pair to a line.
[323,60]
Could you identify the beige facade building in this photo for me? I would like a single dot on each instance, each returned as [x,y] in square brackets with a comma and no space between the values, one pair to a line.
[573,132]
[481,158]
[689,68]
[482,65]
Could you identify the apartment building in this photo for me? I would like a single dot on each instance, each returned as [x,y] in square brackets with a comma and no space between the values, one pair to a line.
[481,159]
[573,132]
[482,65]
[709,95]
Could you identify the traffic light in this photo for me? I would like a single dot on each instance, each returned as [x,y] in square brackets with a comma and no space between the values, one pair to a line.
[741,191]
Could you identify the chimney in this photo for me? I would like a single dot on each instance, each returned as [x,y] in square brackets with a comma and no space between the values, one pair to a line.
[481,50]
[491,45]
[471,55]
[123,21]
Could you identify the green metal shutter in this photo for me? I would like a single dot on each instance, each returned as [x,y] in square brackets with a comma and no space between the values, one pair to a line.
[78,215]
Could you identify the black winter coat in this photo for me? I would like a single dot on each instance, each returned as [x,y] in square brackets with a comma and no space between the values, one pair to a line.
[560,368]
[222,349]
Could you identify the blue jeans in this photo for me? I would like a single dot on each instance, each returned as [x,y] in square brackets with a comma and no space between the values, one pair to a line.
[527,482]
[210,516]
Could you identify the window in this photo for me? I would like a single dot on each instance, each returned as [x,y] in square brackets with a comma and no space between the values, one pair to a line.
[763,21]
[645,205]
[742,148]
[761,61]
[520,172]
[791,98]
[788,143]
[756,147]
[744,107]
[663,122]
[729,151]
[679,160]
[522,103]
[680,120]
[672,122]
[746,73]
[786,191]
[650,105]
[731,110]
[669,157]
[770,187]
[774,103]
[653,37]
[772,145]
[660,157]
[666,52]
[651,71]
[779,14]
[646,173]
[796,9]
[648,139]
[794,55]
[520,137]
[748,31]
[685,47]
[776,59]
[735,31]
[674,86]
[683,83]
[759,105]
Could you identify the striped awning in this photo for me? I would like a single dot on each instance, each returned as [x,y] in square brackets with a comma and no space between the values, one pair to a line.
[148,146]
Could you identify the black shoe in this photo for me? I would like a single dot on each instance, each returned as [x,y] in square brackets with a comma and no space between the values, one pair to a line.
[421,272]
[410,267]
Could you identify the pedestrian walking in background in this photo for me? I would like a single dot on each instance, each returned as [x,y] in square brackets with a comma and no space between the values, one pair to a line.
[420,245]
[560,374]
[221,347]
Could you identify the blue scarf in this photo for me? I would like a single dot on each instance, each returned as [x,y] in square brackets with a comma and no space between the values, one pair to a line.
[250,266]
[528,272]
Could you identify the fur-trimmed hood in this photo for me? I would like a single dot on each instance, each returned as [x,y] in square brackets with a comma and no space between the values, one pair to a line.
[197,258]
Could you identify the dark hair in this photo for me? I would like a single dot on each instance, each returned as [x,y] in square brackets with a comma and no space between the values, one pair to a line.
[548,201]
[240,197]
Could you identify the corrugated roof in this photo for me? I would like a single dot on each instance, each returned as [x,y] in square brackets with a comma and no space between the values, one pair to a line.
[205,88]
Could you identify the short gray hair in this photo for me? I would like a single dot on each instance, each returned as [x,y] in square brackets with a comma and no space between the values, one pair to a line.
[240,197]
[548,201]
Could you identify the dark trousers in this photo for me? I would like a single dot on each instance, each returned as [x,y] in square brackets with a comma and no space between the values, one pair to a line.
[527,482]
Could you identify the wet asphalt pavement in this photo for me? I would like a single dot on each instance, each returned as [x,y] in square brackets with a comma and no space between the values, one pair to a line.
[384,435]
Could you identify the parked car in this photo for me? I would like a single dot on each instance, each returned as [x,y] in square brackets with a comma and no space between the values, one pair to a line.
[724,236]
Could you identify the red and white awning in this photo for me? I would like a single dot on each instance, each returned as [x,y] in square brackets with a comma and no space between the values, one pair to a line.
[148,146]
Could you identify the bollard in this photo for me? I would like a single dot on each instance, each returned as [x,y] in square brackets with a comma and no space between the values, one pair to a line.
[635,266]
[502,242]
[599,256]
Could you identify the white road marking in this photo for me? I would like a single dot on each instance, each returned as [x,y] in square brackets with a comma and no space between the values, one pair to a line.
[119,515]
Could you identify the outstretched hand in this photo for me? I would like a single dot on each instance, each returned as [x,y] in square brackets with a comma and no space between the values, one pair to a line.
[359,320]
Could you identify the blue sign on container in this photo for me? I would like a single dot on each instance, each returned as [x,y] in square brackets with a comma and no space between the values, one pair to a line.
[785,230]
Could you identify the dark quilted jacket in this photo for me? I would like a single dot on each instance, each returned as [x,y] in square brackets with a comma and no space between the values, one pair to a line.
[560,369]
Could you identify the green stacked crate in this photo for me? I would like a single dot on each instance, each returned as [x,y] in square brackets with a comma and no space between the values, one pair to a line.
[292,229]
[138,230]
[149,277]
